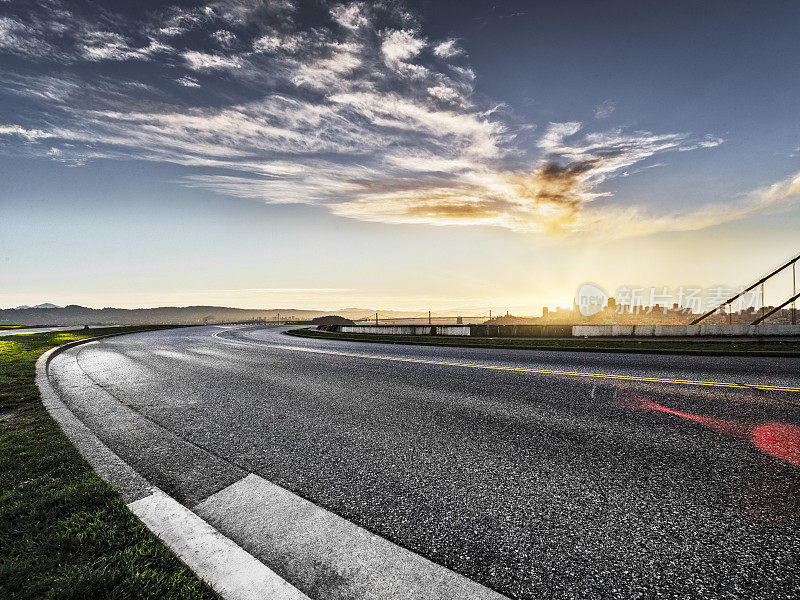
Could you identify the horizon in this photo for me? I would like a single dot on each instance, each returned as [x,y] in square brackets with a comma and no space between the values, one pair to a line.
[407,155]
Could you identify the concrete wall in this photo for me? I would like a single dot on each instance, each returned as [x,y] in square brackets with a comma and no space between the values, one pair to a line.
[685,330]
[503,331]
[452,329]
[777,329]
[387,329]
[526,331]
[583,331]
[593,331]
[462,330]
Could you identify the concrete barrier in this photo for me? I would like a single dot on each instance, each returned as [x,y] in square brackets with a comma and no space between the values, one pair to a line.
[676,330]
[727,330]
[644,330]
[768,329]
[593,330]
[581,331]
[462,330]
[454,330]
[387,329]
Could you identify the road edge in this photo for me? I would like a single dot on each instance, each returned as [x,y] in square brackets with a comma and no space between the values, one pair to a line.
[679,352]
[240,576]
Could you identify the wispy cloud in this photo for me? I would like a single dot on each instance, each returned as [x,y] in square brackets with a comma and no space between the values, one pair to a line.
[187,81]
[361,113]
[28,134]
[604,109]
[200,61]
[636,221]
[448,49]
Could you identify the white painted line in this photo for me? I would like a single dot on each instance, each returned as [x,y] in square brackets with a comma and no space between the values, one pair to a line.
[231,572]
[325,555]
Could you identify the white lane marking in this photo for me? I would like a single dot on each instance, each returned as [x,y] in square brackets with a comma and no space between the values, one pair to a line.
[720,384]
[327,555]
[231,571]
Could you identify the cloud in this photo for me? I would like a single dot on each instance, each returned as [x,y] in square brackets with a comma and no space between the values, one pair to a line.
[447,49]
[604,109]
[23,39]
[201,61]
[360,113]
[105,45]
[637,221]
[780,194]
[28,134]
[400,46]
[224,38]
[350,16]
[187,81]
[444,93]
[556,132]
[545,201]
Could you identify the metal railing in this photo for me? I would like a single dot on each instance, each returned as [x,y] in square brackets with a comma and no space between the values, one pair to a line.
[760,282]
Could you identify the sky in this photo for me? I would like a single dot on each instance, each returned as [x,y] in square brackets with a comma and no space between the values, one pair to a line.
[445,155]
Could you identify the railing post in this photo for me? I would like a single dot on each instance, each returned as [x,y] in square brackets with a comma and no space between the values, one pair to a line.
[794,293]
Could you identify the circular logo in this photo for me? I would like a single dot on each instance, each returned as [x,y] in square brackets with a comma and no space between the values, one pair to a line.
[591,299]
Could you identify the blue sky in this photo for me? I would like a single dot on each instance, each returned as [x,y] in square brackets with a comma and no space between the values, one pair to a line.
[400,155]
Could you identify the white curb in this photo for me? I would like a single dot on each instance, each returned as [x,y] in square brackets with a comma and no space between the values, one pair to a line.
[232,572]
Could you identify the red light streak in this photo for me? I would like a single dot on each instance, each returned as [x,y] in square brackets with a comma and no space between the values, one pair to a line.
[780,440]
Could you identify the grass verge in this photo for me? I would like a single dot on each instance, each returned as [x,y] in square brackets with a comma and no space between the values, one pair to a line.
[64,532]
[710,347]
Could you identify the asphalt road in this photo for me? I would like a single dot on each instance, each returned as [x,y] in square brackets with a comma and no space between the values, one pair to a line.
[538,474]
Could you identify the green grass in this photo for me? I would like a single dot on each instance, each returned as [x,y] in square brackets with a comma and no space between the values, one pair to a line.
[586,344]
[64,532]
[24,326]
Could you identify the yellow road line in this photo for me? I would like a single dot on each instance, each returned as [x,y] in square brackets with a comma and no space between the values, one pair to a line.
[720,384]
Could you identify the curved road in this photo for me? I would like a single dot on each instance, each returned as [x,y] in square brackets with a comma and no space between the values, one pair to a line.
[538,474]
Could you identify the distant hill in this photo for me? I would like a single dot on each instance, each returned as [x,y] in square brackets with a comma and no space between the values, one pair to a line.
[45,305]
[331,320]
[49,314]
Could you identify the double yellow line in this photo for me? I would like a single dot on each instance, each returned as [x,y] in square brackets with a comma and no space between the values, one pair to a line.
[719,384]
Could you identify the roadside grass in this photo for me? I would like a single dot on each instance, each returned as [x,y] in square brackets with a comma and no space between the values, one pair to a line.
[710,346]
[64,532]
[3,327]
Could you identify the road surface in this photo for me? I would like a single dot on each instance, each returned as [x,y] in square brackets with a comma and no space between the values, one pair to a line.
[30,330]
[538,474]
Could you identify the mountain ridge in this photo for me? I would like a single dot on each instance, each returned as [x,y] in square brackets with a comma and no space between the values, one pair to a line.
[73,314]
